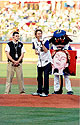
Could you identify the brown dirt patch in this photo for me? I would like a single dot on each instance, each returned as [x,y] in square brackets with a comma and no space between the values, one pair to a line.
[33,81]
[56,101]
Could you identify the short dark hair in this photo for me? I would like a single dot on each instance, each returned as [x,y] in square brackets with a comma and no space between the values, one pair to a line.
[15,33]
[37,31]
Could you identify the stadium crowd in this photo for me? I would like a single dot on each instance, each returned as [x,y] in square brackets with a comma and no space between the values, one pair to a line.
[27,20]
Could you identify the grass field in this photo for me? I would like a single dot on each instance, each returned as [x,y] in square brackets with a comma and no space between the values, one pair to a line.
[30,71]
[29,89]
[37,116]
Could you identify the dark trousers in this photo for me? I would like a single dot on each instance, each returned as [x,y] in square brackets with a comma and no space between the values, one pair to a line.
[40,71]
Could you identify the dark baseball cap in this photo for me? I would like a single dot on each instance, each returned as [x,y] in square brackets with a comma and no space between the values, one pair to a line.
[59,33]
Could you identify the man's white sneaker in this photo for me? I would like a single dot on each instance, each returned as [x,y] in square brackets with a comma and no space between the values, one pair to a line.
[44,95]
[35,93]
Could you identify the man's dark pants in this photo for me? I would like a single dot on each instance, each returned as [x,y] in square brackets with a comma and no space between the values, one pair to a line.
[45,70]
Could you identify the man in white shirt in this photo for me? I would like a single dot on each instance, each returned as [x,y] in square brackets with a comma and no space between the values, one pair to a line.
[15,53]
[44,63]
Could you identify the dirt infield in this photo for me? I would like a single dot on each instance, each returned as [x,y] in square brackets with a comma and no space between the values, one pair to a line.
[56,101]
[33,81]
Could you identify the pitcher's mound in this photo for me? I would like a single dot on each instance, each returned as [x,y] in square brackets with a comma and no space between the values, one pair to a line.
[56,101]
